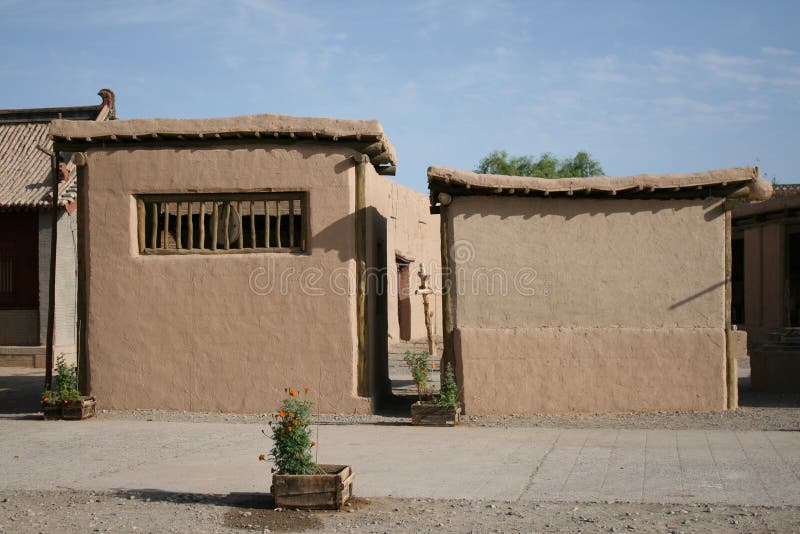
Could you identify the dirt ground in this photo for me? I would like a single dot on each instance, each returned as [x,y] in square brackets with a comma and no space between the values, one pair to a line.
[79,511]
[130,511]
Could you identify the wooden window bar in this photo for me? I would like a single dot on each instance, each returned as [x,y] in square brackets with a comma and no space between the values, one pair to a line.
[222,223]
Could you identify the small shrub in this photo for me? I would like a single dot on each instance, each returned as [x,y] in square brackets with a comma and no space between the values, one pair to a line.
[417,363]
[291,437]
[66,384]
[448,394]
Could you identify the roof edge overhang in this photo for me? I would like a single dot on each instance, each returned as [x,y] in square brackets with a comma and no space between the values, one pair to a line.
[722,183]
[366,137]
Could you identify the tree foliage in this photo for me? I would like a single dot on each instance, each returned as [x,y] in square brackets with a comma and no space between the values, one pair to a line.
[546,166]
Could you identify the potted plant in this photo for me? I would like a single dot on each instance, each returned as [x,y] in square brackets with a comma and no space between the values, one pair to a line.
[443,409]
[65,401]
[298,481]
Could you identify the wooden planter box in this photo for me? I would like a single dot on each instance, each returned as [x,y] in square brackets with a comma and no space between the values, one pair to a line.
[428,414]
[328,490]
[80,409]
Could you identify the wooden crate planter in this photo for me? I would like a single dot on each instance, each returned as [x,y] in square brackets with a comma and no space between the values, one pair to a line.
[80,409]
[429,414]
[328,490]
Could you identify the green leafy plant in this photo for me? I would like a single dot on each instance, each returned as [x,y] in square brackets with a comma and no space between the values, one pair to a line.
[417,363]
[66,384]
[291,437]
[448,394]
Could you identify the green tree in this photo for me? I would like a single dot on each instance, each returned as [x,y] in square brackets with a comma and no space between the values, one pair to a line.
[546,166]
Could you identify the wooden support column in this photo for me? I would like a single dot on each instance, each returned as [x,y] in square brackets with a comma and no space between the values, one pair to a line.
[84,363]
[361,276]
[448,284]
[51,290]
[731,371]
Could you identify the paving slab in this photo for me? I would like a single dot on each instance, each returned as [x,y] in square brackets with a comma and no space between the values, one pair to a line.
[512,464]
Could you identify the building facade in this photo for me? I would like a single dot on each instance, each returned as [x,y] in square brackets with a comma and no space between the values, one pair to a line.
[27,171]
[224,260]
[589,294]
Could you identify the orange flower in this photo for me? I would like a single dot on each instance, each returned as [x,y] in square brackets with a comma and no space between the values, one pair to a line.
[282,414]
[307,389]
[291,415]
[293,392]
[46,399]
[261,458]
[433,366]
[65,401]
[290,429]
[313,443]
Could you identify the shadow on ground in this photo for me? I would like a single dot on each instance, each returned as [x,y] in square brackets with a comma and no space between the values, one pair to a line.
[246,510]
[20,392]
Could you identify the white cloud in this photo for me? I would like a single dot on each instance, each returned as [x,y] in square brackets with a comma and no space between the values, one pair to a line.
[773,51]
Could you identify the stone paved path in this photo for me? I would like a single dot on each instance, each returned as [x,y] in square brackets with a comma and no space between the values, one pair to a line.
[513,464]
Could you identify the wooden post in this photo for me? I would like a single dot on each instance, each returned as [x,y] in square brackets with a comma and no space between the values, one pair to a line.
[84,376]
[226,224]
[166,225]
[51,304]
[141,219]
[426,292]
[448,285]
[731,372]
[278,222]
[154,229]
[291,223]
[241,227]
[361,276]
[202,237]
[266,224]
[178,225]
[214,225]
[190,222]
[252,225]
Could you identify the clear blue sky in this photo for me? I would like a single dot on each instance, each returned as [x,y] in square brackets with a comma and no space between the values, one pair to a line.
[644,86]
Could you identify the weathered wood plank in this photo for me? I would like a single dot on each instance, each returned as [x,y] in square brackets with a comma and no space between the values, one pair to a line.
[178,225]
[214,225]
[291,223]
[201,238]
[252,225]
[154,229]
[278,222]
[226,225]
[166,225]
[141,219]
[190,223]
[241,228]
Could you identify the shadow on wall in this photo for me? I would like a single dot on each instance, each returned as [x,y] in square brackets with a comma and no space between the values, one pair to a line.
[530,207]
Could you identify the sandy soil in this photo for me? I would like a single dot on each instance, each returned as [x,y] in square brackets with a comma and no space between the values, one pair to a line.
[78,511]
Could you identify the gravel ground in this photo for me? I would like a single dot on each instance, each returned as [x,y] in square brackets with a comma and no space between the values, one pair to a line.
[80,511]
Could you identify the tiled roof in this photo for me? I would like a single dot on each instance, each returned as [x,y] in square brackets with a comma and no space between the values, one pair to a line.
[25,171]
[26,180]
[701,184]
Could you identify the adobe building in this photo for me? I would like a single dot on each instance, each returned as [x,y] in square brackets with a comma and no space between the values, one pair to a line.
[223,260]
[766,287]
[589,294]
[27,169]
[766,264]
